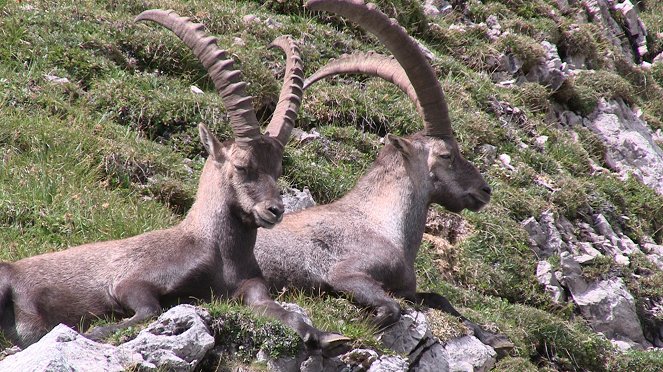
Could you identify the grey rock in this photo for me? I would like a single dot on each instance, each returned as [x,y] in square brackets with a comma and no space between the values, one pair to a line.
[390,363]
[305,137]
[570,118]
[488,154]
[295,200]
[631,148]
[177,340]
[434,8]
[407,333]
[600,13]
[609,308]
[545,238]
[284,364]
[411,336]
[546,276]
[469,354]
[635,29]
[658,59]
[63,349]
[551,72]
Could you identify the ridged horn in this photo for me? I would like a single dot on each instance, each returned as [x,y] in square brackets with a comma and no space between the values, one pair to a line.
[292,90]
[227,80]
[371,63]
[420,73]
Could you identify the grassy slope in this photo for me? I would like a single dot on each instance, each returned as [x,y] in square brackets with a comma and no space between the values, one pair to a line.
[107,155]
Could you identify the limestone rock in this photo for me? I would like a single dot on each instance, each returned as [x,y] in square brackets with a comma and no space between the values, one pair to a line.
[600,13]
[546,276]
[635,29]
[63,349]
[295,200]
[607,305]
[468,354]
[412,336]
[631,148]
[177,341]
[551,72]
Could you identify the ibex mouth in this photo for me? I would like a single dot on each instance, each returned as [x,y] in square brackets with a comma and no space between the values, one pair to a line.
[266,219]
[477,202]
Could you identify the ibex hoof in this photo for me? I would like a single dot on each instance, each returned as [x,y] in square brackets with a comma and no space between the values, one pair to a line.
[387,315]
[499,342]
[97,334]
[333,344]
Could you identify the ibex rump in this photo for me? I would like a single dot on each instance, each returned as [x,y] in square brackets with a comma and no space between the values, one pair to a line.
[364,244]
[209,252]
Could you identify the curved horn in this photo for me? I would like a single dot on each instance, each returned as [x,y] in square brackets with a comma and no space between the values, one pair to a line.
[405,49]
[290,97]
[226,80]
[371,63]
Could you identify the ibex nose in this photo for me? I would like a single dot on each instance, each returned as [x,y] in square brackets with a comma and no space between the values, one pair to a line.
[486,189]
[277,209]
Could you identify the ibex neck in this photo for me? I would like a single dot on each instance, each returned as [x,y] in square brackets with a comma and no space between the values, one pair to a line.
[212,218]
[394,202]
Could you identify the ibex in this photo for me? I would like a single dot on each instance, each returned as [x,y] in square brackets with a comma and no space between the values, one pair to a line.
[364,245]
[209,253]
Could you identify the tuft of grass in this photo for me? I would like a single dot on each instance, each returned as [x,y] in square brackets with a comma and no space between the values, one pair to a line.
[243,333]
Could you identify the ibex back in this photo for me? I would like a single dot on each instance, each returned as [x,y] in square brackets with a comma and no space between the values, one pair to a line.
[209,252]
[364,245]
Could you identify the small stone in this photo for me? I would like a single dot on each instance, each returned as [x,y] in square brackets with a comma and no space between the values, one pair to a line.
[56,79]
[250,19]
[196,90]
[505,159]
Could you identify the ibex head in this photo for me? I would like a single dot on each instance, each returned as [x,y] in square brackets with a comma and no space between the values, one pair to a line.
[453,181]
[249,166]
[450,179]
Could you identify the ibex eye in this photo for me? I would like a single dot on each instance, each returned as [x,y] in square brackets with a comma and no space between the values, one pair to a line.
[240,168]
[445,156]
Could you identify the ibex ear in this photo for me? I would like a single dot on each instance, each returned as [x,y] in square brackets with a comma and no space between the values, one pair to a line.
[402,144]
[211,143]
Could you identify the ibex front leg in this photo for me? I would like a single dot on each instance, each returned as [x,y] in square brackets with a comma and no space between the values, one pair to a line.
[366,292]
[140,297]
[255,294]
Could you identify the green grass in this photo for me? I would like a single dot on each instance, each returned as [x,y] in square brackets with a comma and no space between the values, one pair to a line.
[114,152]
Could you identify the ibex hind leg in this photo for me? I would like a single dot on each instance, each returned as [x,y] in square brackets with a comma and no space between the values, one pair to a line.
[140,297]
[367,292]
[499,342]
[254,293]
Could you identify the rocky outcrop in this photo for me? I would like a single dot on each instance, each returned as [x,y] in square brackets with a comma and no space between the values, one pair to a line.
[63,349]
[606,304]
[180,338]
[176,341]
[630,144]
[604,301]
[295,200]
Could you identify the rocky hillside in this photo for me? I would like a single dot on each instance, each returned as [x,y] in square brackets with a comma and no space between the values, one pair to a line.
[559,102]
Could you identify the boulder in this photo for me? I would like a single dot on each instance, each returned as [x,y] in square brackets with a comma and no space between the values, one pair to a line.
[295,200]
[468,354]
[607,305]
[63,349]
[546,276]
[634,28]
[177,341]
